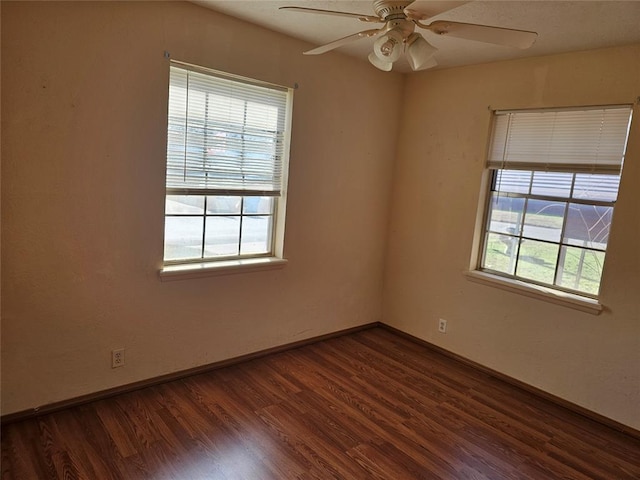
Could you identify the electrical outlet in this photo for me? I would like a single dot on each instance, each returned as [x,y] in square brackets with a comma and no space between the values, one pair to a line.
[442,325]
[117,358]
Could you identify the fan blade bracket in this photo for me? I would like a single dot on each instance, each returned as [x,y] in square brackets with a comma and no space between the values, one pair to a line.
[441,29]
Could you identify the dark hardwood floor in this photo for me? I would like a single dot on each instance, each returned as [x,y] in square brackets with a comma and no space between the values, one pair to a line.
[368,405]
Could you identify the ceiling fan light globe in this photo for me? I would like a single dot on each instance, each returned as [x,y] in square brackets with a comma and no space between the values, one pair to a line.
[420,53]
[388,47]
[381,64]
[424,66]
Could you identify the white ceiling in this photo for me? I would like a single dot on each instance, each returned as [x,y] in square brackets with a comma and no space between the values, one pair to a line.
[562,26]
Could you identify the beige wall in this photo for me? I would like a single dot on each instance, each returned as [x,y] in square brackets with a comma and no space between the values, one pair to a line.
[593,361]
[84,91]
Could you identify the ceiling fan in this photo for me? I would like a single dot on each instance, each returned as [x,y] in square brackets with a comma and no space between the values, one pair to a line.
[398,36]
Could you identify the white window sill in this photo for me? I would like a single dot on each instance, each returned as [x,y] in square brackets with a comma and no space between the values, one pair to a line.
[576,302]
[226,267]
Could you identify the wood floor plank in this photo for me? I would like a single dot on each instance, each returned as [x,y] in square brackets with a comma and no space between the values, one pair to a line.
[248,430]
[367,405]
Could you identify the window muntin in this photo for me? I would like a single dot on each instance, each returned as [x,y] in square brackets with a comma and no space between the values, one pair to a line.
[226,166]
[554,182]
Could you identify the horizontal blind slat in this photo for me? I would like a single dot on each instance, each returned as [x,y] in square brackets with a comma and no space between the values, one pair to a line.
[591,139]
[224,135]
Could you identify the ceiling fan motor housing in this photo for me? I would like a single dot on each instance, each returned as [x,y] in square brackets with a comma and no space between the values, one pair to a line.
[392,12]
[391,8]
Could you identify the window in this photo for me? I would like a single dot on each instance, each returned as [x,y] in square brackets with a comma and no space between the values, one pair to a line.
[227,145]
[553,187]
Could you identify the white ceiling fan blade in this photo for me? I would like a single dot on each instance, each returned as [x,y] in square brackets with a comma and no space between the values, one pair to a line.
[483,33]
[344,41]
[359,16]
[424,10]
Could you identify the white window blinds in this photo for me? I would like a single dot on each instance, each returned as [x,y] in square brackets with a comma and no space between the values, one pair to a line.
[587,139]
[225,135]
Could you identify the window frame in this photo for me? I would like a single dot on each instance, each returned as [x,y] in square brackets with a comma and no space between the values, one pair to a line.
[551,293]
[176,268]
[486,230]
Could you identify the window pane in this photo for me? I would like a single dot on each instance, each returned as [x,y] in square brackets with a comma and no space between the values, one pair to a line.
[596,187]
[223,205]
[588,225]
[552,184]
[500,253]
[514,181]
[185,204]
[543,220]
[537,261]
[256,234]
[182,238]
[259,205]
[222,236]
[580,269]
[506,214]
